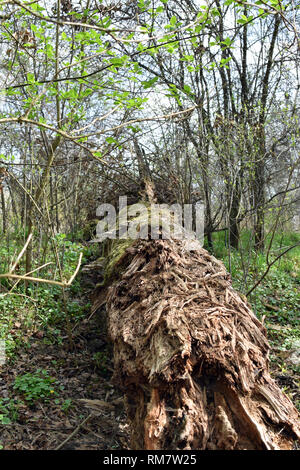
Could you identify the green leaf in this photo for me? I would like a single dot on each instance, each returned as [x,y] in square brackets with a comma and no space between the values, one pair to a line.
[30,77]
[111,140]
[227,41]
[187,58]
[4,420]
[117,61]
[149,83]
[173,21]
[223,62]
[36,7]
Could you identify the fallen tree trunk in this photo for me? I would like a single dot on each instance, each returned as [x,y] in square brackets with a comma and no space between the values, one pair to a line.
[191,356]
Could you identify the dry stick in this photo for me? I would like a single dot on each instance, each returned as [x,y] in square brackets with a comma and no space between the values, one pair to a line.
[73,433]
[27,274]
[33,279]
[76,270]
[36,279]
[26,277]
[128,123]
[72,137]
[20,254]
[45,281]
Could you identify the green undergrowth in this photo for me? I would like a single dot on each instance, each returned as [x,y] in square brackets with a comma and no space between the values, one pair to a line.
[9,410]
[36,386]
[277,297]
[41,307]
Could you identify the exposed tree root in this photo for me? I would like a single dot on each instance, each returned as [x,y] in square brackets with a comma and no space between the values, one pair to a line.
[191,356]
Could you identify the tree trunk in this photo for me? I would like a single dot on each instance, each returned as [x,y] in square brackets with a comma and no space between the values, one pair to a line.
[4,219]
[234,232]
[191,356]
[259,204]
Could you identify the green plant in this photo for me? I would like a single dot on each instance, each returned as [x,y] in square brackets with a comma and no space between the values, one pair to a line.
[66,405]
[8,410]
[36,386]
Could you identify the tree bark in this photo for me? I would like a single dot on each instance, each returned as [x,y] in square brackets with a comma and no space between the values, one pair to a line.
[190,355]
[4,219]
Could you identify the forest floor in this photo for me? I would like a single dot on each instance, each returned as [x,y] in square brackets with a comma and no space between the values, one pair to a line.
[80,409]
[88,414]
[56,397]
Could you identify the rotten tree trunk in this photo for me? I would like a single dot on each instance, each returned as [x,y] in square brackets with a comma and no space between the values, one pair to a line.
[191,356]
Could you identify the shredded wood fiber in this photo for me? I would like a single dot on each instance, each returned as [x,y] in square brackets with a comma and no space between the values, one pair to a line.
[191,356]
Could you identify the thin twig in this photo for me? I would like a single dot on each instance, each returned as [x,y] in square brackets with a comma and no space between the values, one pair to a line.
[25,277]
[21,254]
[76,271]
[269,267]
[74,432]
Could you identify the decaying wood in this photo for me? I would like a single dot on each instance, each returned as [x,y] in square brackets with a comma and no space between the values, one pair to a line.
[191,356]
